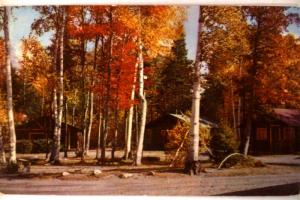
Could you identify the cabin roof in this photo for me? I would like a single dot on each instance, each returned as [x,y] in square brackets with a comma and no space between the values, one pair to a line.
[203,122]
[290,117]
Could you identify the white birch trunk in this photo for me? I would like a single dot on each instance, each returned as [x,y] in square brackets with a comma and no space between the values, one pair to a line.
[193,149]
[143,103]
[90,123]
[2,152]
[130,119]
[10,108]
[57,132]
[91,101]
[99,135]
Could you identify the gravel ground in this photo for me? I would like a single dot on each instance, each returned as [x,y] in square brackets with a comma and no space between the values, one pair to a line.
[280,177]
[168,184]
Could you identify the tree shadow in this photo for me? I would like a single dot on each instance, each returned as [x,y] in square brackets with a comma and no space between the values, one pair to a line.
[278,190]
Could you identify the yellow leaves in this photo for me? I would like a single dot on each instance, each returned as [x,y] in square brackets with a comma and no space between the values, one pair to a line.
[160,27]
[3,110]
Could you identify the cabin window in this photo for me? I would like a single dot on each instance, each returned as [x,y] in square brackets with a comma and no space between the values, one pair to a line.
[261,134]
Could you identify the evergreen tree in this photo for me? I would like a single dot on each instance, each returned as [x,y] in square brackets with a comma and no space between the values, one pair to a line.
[176,82]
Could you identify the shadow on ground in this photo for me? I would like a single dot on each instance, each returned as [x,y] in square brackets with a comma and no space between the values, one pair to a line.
[278,190]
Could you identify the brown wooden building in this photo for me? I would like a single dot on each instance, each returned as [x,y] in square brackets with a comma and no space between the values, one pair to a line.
[43,128]
[278,133]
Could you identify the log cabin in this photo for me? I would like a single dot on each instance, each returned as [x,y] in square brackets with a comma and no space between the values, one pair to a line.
[43,128]
[278,133]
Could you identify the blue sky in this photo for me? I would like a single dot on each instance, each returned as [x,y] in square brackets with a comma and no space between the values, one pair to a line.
[24,16]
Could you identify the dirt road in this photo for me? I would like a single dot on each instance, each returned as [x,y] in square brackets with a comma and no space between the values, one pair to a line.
[160,184]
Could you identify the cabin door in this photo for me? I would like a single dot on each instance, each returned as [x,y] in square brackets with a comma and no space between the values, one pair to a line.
[275,139]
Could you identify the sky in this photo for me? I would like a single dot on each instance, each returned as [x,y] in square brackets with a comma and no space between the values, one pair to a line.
[24,16]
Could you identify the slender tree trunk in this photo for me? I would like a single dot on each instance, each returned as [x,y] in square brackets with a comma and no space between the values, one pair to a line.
[239,109]
[114,144]
[136,127]
[248,134]
[92,100]
[239,118]
[10,108]
[130,119]
[57,132]
[85,126]
[2,152]
[73,124]
[99,135]
[89,130]
[125,130]
[193,149]
[84,101]
[54,103]
[107,100]
[143,103]
[248,128]
[233,108]
[66,130]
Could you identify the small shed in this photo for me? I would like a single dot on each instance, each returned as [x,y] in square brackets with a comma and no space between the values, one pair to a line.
[277,133]
[43,128]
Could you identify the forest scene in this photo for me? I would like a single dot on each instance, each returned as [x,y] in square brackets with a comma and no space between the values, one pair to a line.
[150,100]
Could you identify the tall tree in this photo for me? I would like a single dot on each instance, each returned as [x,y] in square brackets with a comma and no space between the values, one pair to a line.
[58,120]
[193,149]
[267,25]
[10,107]
[174,87]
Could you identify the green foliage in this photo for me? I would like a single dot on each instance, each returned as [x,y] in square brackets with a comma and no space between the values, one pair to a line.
[176,80]
[223,142]
[24,146]
[240,161]
[39,146]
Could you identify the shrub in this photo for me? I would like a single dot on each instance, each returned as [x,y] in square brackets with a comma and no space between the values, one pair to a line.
[177,135]
[24,146]
[223,142]
[240,161]
[39,146]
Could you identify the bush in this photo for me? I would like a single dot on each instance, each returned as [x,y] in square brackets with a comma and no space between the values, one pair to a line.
[223,142]
[40,146]
[240,161]
[24,146]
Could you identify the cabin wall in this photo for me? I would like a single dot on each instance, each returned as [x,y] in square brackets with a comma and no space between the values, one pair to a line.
[275,139]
